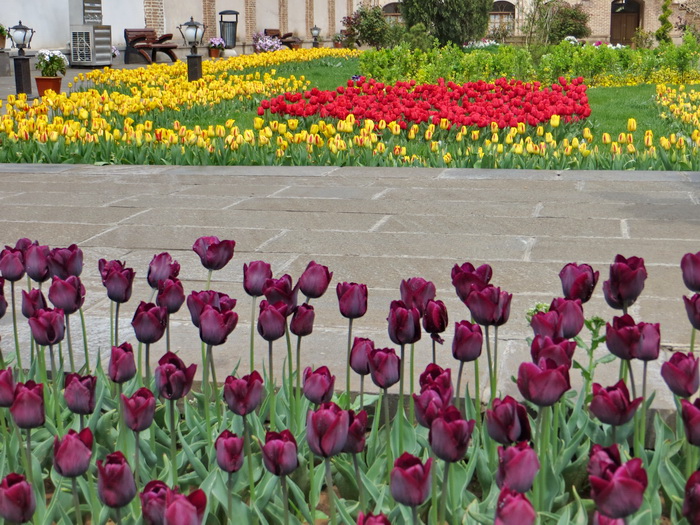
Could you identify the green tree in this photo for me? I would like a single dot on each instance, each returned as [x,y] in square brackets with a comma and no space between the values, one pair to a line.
[663,33]
[568,20]
[366,26]
[450,21]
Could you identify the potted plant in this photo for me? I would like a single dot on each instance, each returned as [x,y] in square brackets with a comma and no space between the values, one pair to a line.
[337,40]
[50,63]
[4,33]
[263,43]
[216,46]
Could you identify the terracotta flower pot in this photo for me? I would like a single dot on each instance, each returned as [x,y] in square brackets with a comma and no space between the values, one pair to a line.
[44,83]
[214,52]
[337,45]
[3,40]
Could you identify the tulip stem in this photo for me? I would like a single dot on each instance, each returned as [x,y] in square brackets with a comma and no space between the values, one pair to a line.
[443,496]
[167,336]
[331,492]
[76,502]
[116,325]
[495,362]
[692,339]
[206,393]
[544,420]
[137,444]
[229,486]
[459,387]
[360,487]
[492,382]
[411,407]
[273,397]
[477,394]
[290,365]
[614,434]
[173,437]
[85,341]
[362,391]
[400,408]
[414,515]
[28,437]
[249,459]
[217,405]
[70,345]
[54,376]
[148,365]
[434,343]
[14,328]
[387,427]
[347,362]
[270,363]
[111,324]
[634,389]
[297,397]
[209,279]
[118,519]
[252,335]
[285,498]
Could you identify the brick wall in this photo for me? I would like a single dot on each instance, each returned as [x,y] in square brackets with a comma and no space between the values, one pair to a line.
[309,17]
[331,18]
[284,15]
[209,19]
[250,19]
[155,18]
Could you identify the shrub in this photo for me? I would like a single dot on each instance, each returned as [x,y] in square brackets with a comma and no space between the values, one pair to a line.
[450,21]
[568,20]
[366,26]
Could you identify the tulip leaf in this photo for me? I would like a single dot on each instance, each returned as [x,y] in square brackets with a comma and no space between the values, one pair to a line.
[473,511]
[400,424]
[608,358]
[266,490]
[199,468]
[671,479]
[300,500]
[483,469]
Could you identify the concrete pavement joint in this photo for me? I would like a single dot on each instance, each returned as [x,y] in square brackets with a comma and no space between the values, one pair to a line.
[624,229]
[538,209]
[381,222]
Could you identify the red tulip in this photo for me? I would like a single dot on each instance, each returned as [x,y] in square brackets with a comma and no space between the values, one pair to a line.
[507,421]
[578,281]
[435,320]
[254,277]
[139,409]
[691,502]
[466,278]
[72,454]
[626,282]
[80,393]
[28,406]
[404,324]
[68,295]
[196,302]
[48,326]
[3,301]
[279,453]
[327,430]
[517,467]
[149,322]
[229,451]
[115,481]
[559,350]
[513,508]
[272,320]
[616,488]
[372,519]
[692,308]
[173,379]
[690,266]
[64,262]
[359,355]
[162,267]
[681,374]
[352,299]
[17,502]
[318,385]
[314,282]
[302,323]
[153,502]
[357,430]
[213,253]
[122,366]
[281,291]
[490,306]
[450,434]
[438,378]
[543,384]
[410,480]
[117,279]
[7,388]
[245,394]
[384,367]
[171,295]
[416,292]
[215,325]
[571,317]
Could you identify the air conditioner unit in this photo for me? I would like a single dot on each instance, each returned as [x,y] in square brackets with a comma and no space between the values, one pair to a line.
[91,45]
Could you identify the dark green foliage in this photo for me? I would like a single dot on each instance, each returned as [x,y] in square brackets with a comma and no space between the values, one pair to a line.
[450,21]
[569,20]
[663,33]
[417,37]
[366,26]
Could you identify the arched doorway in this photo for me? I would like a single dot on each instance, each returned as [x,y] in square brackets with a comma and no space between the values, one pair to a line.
[392,12]
[624,21]
[501,20]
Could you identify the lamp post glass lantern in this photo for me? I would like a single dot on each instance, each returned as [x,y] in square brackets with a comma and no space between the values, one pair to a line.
[21,37]
[315,32]
[193,32]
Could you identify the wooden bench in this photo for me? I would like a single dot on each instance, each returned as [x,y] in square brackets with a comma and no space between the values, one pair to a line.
[287,39]
[145,43]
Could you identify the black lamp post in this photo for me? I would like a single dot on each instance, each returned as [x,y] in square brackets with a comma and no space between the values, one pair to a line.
[21,36]
[315,31]
[193,32]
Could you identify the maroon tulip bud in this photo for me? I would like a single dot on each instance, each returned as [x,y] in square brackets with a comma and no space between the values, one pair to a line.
[229,451]
[507,421]
[12,264]
[628,340]
[517,467]
[513,508]
[173,379]
[439,379]
[352,299]
[245,394]
[115,481]
[48,326]
[68,295]
[3,301]
[33,301]
[122,366]
[302,323]
[468,341]
[281,291]
[17,502]
[196,302]
[185,510]
[80,393]
[690,266]
[690,413]
[139,409]
[490,306]
[36,262]
[450,434]
[71,455]
[254,277]
[149,322]
[416,292]
[22,244]
[691,502]
[626,282]
[64,262]
[279,453]
[153,502]
[617,489]
[359,355]
[216,325]
[692,308]
[404,324]
[604,460]
[578,281]
[213,253]
[410,480]
[680,373]
[357,430]
[435,320]
[27,409]
[543,384]
[571,317]
[372,519]
[466,278]
[314,282]
[545,324]
[612,405]
[272,320]
[559,350]
[318,385]
[117,279]
[428,405]
[600,519]
[171,295]
[7,388]
[162,267]
[327,430]
[384,367]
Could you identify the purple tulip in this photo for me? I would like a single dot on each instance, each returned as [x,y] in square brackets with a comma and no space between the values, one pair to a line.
[68,295]
[450,434]
[690,413]
[196,302]
[327,430]
[162,267]
[48,326]
[115,481]
[314,282]
[359,355]
[466,279]
[27,409]
[612,405]
[72,454]
[173,379]
[279,453]
[153,502]
[185,510]
[229,451]
[507,421]
[544,383]
[628,340]
[517,467]
[64,262]
[435,320]
[578,281]
[691,501]
[690,266]
[216,325]
[416,292]
[410,480]
[3,301]
[357,430]
[254,277]
[171,295]
[571,317]
[513,508]
[122,366]
[404,324]
[372,519]
[36,262]
[272,320]
[80,393]
[692,308]
[245,394]
[601,519]
[302,323]
[490,306]
[428,405]
[149,322]
[281,291]
[213,253]
[7,388]
[33,301]
[12,264]
[468,341]
[681,374]
[117,279]
[626,282]
[384,367]
[559,350]
[617,489]
[439,379]
[318,385]
[17,502]
[139,409]
[352,299]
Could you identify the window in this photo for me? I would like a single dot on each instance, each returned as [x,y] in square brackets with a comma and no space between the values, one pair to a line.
[502,18]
